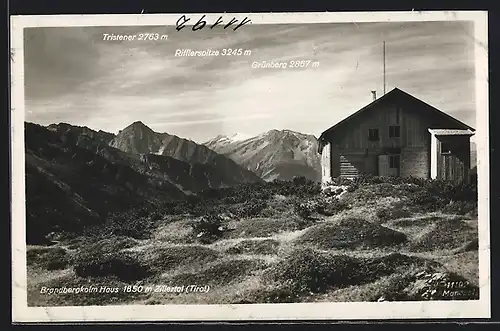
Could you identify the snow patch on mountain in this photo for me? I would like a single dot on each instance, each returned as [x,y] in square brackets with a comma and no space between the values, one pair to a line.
[239,136]
[228,139]
[160,151]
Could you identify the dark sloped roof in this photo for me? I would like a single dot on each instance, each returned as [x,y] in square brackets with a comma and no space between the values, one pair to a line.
[394,92]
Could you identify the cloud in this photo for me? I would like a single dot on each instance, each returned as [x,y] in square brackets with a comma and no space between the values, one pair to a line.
[73,75]
[216,120]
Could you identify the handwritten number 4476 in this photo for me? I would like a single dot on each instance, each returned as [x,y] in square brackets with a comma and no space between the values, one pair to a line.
[202,23]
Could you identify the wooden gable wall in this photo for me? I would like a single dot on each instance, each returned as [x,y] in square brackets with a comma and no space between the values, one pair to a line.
[356,153]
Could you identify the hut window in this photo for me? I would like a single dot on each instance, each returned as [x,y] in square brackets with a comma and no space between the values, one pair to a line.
[373,134]
[394,161]
[394,131]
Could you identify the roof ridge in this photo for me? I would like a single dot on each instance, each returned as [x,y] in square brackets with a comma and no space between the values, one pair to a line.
[384,97]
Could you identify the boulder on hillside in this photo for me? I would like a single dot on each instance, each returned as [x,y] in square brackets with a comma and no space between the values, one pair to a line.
[334,190]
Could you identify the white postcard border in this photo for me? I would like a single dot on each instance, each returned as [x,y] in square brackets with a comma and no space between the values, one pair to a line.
[296,311]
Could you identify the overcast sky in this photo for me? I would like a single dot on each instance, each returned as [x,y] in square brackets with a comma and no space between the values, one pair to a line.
[73,76]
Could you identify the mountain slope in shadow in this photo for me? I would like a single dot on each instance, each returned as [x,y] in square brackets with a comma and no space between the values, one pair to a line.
[75,178]
[138,138]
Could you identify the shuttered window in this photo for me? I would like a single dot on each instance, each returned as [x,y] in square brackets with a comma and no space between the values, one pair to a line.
[394,161]
[394,131]
[373,135]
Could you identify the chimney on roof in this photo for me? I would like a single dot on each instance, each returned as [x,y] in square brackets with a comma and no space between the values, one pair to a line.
[374,94]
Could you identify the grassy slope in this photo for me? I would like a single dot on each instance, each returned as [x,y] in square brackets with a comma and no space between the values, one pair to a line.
[276,255]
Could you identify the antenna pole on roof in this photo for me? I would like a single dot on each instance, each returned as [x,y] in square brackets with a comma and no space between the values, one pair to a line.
[384,64]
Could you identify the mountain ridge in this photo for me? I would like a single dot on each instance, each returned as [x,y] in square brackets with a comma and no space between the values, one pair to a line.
[138,158]
[75,177]
[138,138]
[274,154]
[73,180]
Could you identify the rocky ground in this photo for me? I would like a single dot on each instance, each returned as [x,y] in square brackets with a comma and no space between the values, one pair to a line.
[372,241]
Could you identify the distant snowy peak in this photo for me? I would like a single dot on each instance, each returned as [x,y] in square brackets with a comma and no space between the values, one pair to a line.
[275,154]
[285,133]
[239,136]
[227,139]
[218,140]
